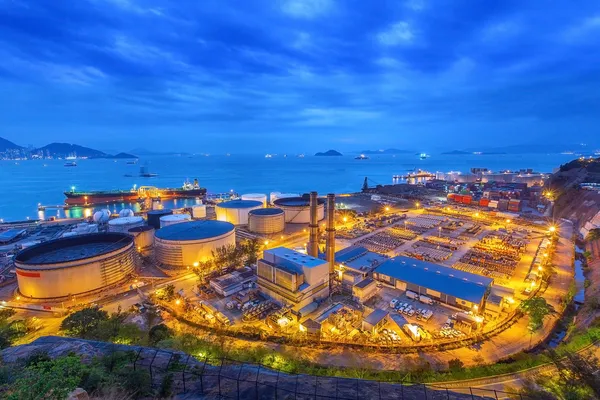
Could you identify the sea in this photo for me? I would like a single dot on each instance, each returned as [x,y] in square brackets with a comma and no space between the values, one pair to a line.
[28,183]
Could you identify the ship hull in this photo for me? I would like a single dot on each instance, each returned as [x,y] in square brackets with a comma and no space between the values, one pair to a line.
[97,198]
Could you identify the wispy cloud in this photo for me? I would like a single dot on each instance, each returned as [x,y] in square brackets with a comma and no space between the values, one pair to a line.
[306,8]
[399,33]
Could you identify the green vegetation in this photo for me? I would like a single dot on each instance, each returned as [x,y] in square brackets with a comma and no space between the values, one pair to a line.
[11,329]
[227,258]
[42,378]
[537,308]
[92,323]
[167,293]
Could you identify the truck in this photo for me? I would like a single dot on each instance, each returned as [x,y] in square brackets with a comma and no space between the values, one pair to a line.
[425,300]
[412,295]
[412,331]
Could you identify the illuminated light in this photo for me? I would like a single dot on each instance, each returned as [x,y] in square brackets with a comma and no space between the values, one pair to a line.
[72,188]
[477,214]
[508,221]
[345,219]
[302,328]
[266,242]
[178,302]
[417,204]
[552,228]
[188,267]
[479,319]
[540,268]
[510,300]
[545,254]
[281,237]
[475,307]
[283,321]
[18,297]
[196,264]
[387,209]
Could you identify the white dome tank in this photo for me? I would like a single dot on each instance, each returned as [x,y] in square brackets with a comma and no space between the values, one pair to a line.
[124,224]
[126,212]
[256,197]
[174,219]
[101,217]
[278,195]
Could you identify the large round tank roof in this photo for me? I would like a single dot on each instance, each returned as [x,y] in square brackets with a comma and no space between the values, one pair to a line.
[73,248]
[175,217]
[195,230]
[303,201]
[240,204]
[266,211]
[166,211]
[125,220]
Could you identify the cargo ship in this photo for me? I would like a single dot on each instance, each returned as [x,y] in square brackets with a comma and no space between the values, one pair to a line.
[188,190]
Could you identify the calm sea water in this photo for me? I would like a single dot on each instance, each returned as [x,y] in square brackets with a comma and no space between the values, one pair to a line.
[26,183]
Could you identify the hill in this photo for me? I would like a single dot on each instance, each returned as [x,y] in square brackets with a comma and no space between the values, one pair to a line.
[8,145]
[329,153]
[123,156]
[65,149]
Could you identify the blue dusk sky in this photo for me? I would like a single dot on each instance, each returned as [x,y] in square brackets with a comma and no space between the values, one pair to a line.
[306,75]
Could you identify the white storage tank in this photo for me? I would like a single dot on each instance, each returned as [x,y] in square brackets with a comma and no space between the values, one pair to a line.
[126,212]
[101,217]
[174,219]
[266,220]
[297,209]
[278,195]
[199,211]
[236,211]
[143,237]
[256,197]
[182,245]
[124,224]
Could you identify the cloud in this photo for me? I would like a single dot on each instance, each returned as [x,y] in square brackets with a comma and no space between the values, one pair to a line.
[306,8]
[399,33]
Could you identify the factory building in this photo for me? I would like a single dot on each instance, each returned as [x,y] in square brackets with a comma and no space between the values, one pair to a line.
[182,245]
[143,238]
[75,265]
[236,211]
[266,221]
[297,209]
[355,263]
[293,278]
[447,285]
[364,290]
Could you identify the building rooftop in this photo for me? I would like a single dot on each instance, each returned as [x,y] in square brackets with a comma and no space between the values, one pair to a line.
[195,230]
[267,211]
[10,234]
[376,317]
[240,204]
[364,283]
[73,248]
[460,284]
[289,256]
[311,324]
[359,258]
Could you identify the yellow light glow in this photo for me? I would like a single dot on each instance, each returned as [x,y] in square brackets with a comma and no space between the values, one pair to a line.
[510,300]
[387,209]
[18,297]
[196,264]
[508,221]
[417,204]
[266,242]
[178,302]
[475,307]
[302,328]
[345,219]
[552,228]
[283,321]
[477,214]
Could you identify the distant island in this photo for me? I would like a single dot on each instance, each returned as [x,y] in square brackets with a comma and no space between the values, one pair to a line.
[386,151]
[456,152]
[329,153]
[12,151]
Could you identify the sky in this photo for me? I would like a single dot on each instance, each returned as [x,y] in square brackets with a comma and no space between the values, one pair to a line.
[299,75]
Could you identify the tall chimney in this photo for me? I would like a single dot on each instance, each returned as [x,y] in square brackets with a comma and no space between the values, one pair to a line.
[331,232]
[313,241]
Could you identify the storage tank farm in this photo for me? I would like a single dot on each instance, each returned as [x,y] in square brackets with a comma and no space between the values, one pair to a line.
[155,215]
[266,221]
[173,219]
[123,224]
[236,211]
[182,245]
[76,265]
[143,237]
[256,197]
[297,209]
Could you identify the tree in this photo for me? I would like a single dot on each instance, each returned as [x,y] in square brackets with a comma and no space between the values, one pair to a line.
[167,293]
[251,249]
[537,308]
[158,333]
[456,364]
[593,234]
[81,323]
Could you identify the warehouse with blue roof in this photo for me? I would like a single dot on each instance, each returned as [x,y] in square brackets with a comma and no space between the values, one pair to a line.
[446,285]
[355,263]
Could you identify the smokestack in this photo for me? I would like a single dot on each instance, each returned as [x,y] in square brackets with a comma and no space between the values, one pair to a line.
[313,241]
[331,232]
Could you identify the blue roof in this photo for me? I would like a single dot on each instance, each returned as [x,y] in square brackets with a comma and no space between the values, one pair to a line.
[349,253]
[165,211]
[357,257]
[450,281]
[267,211]
[293,259]
[194,230]
[240,204]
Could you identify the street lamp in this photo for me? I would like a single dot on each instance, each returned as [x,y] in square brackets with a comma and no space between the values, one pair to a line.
[417,204]
[387,209]
[552,229]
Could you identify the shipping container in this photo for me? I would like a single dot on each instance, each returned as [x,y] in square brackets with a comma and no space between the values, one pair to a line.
[467,199]
[484,202]
[503,205]
[458,198]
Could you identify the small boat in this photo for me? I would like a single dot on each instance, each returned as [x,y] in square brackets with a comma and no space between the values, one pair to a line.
[300,155]
[423,156]
[71,164]
[361,157]
[268,156]
[145,173]
[132,162]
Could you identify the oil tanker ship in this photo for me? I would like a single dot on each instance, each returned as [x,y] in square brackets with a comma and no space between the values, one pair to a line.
[188,190]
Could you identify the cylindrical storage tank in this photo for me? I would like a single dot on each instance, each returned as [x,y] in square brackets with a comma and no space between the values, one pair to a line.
[278,195]
[174,219]
[143,238]
[182,245]
[256,197]
[236,211]
[266,220]
[297,209]
[62,268]
[124,224]
[155,215]
[126,212]
[199,211]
